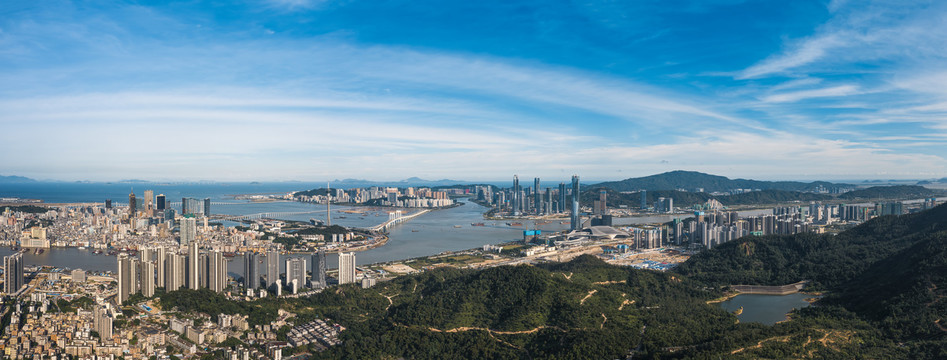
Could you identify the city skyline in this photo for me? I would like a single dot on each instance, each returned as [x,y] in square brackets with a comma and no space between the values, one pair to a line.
[800,90]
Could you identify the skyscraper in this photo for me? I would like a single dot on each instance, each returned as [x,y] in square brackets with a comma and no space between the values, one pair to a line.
[346,268]
[161,266]
[644,199]
[251,270]
[160,203]
[272,269]
[13,273]
[537,198]
[149,198]
[206,210]
[108,203]
[576,219]
[132,205]
[295,273]
[193,268]
[148,278]
[102,322]
[174,272]
[188,230]
[217,264]
[318,270]
[516,195]
[563,207]
[127,281]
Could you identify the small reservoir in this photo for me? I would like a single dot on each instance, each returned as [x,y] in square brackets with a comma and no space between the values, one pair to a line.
[765,309]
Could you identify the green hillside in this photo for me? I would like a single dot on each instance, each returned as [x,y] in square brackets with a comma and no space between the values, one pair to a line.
[891,192]
[690,180]
[884,284]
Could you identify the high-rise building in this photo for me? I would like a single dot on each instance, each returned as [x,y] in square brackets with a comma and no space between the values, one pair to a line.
[132,205]
[537,197]
[174,272]
[295,273]
[206,207]
[108,203]
[549,209]
[161,265]
[217,264]
[13,273]
[644,199]
[160,203]
[148,278]
[562,198]
[192,206]
[188,230]
[102,322]
[346,268]
[127,277]
[251,270]
[318,270]
[149,198]
[272,268]
[515,198]
[576,218]
[193,268]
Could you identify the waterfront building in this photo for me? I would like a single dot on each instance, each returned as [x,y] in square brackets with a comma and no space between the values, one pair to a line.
[318,270]
[346,268]
[78,275]
[272,269]
[13,273]
[160,202]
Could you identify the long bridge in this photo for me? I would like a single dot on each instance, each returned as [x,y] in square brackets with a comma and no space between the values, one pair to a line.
[391,222]
[264,215]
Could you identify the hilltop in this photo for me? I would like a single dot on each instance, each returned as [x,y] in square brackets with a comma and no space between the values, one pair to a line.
[691,180]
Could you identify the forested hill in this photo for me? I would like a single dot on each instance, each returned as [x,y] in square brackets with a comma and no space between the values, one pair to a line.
[827,260]
[690,180]
[686,199]
[583,309]
[891,192]
[891,271]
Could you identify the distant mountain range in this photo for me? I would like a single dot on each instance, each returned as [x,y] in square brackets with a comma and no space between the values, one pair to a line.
[15,179]
[691,180]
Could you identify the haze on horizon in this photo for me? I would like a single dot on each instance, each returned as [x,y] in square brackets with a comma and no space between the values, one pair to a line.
[311,90]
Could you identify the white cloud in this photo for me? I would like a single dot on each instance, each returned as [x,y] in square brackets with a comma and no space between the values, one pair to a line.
[836,91]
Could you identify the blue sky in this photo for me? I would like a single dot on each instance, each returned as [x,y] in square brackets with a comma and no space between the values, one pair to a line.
[473,90]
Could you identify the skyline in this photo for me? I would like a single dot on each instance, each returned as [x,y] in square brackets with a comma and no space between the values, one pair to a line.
[304,90]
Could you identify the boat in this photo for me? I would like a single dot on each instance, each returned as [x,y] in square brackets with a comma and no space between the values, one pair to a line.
[478,224]
[415,230]
[82,248]
[514,224]
[738,311]
[42,251]
[457,226]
